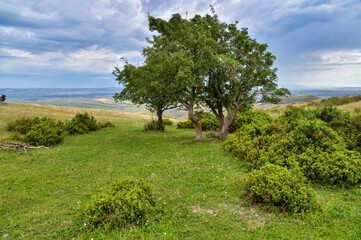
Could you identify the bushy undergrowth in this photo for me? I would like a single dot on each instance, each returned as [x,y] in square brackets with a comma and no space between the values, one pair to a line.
[167,122]
[47,132]
[249,117]
[152,125]
[83,123]
[37,131]
[208,121]
[317,142]
[281,187]
[128,202]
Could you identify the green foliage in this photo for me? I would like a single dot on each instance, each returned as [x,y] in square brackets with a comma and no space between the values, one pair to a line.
[128,202]
[188,124]
[208,121]
[37,131]
[22,125]
[281,187]
[301,139]
[83,123]
[249,117]
[46,133]
[107,125]
[337,167]
[152,126]
[167,122]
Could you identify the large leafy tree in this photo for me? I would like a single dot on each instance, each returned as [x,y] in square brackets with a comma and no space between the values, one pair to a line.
[217,65]
[149,84]
[191,48]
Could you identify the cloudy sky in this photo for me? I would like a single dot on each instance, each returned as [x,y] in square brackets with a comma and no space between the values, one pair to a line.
[66,43]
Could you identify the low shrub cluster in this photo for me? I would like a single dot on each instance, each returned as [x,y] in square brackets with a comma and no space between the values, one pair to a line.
[128,202]
[83,123]
[280,187]
[152,125]
[208,121]
[37,131]
[257,118]
[321,144]
[48,132]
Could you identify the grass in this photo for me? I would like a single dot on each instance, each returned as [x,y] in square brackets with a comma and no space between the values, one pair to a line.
[194,183]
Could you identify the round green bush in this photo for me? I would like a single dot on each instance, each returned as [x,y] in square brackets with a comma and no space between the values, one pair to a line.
[82,123]
[208,121]
[128,202]
[280,187]
[167,122]
[46,133]
[338,167]
[152,126]
[257,118]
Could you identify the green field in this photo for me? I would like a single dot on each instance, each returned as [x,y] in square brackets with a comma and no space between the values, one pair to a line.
[194,184]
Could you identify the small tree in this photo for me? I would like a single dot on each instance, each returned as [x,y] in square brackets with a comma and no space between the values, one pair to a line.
[190,45]
[150,84]
[218,65]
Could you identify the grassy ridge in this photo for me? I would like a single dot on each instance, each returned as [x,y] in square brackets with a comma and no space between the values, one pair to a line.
[194,185]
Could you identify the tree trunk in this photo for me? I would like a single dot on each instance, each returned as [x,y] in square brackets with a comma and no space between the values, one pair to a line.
[223,130]
[160,126]
[197,124]
[225,123]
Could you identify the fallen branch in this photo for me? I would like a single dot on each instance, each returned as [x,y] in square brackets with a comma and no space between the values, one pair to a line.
[18,147]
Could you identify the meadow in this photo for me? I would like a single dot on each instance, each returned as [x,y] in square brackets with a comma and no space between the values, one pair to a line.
[195,185]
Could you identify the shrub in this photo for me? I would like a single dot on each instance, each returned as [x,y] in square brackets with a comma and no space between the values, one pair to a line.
[208,121]
[280,187]
[37,131]
[152,126]
[250,117]
[83,123]
[188,124]
[338,167]
[46,133]
[128,202]
[321,153]
[107,125]
[22,125]
[167,122]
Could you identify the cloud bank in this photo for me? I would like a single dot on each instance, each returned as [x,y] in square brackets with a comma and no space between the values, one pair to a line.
[48,43]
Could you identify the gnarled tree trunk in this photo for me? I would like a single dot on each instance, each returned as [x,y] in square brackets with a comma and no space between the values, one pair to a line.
[225,123]
[197,124]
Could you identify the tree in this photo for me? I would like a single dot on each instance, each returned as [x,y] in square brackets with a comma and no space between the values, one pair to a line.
[241,74]
[150,84]
[190,46]
[219,66]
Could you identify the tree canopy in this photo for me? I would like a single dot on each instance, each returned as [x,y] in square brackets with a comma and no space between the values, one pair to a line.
[221,66]
[150,84]
[201,61]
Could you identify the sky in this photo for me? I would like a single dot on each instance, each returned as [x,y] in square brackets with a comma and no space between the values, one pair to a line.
[74,44]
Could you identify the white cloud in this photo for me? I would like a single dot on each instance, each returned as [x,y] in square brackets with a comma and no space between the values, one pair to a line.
[91,60]
[331,67]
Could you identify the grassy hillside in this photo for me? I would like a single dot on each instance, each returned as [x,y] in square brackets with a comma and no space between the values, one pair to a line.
[298,98]
[194,183]
[351,104]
